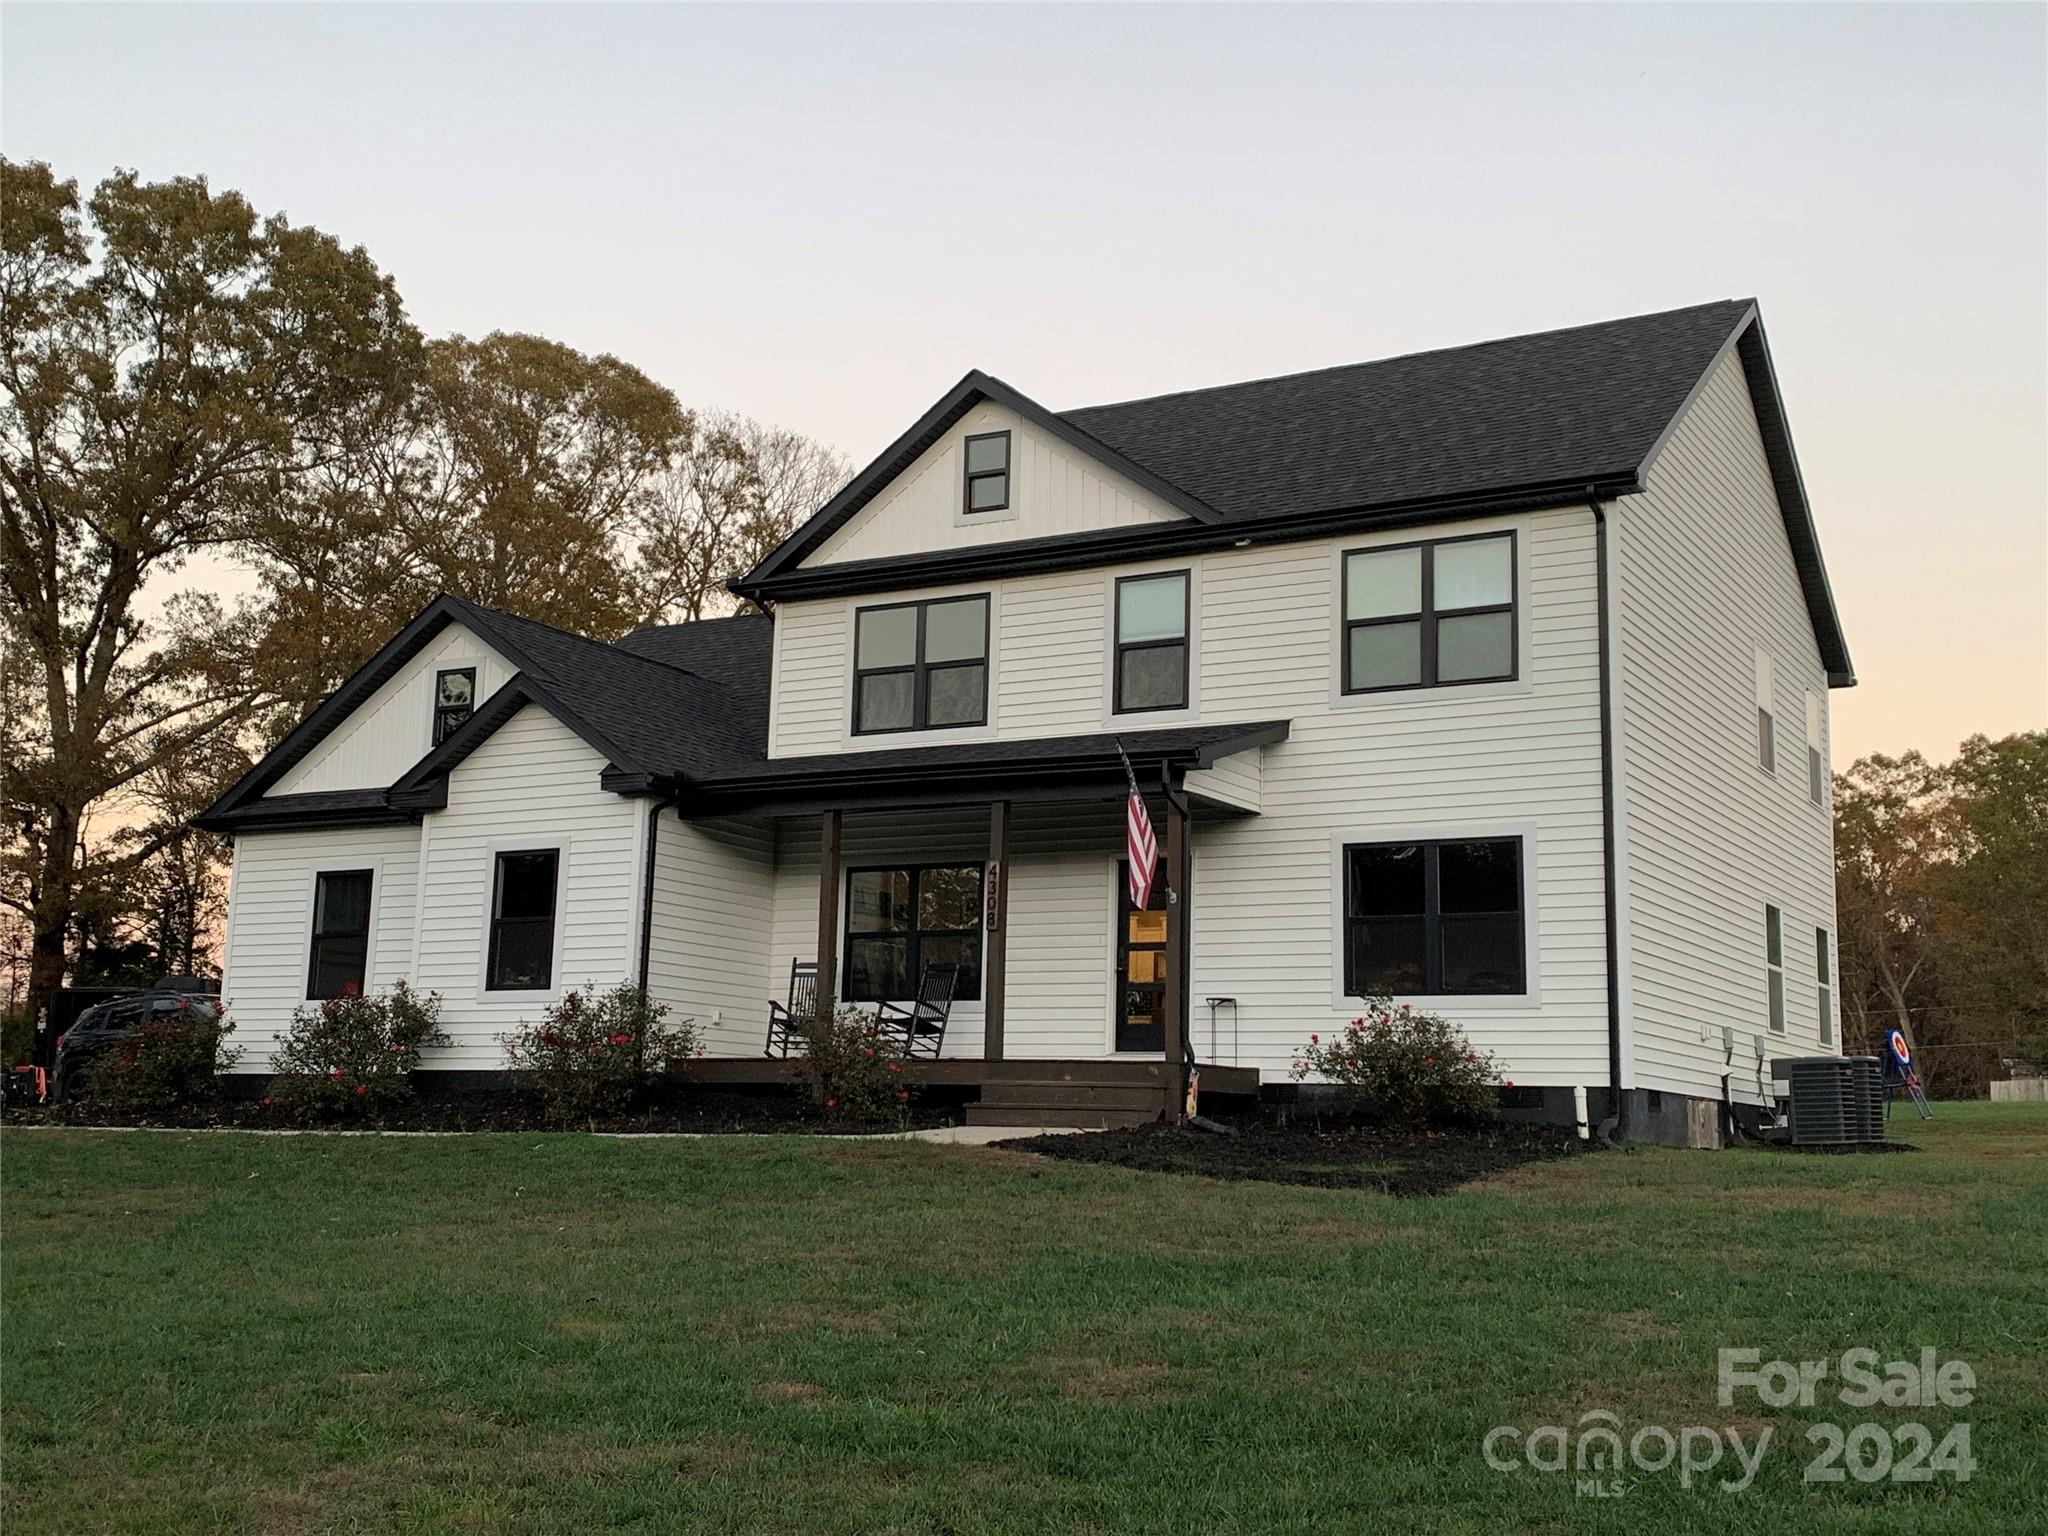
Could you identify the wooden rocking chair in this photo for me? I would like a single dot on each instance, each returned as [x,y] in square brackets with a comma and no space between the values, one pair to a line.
[922,1025]
[789,1022]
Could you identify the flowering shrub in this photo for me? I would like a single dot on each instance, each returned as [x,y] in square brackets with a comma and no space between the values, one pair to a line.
[354,1055]
[592,1051]
[855,1068]
[1414,1068]
[170,1059]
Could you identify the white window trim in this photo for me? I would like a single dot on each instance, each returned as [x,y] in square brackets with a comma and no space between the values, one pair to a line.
[883,741]
[497,999]
[1784,1028]
[985,421]
[1443,693]
[1767,701]
[1147,719]
[337,865]
[1529,832]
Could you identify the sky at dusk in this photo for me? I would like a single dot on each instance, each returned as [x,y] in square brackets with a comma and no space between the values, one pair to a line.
[824,216]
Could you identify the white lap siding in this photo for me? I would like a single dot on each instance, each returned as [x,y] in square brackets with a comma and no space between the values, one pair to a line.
[533,784]
[714,886]
[1517,759]
[1706,579]
[268,944]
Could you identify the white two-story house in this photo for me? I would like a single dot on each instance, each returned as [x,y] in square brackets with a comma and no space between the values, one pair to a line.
[1492,679]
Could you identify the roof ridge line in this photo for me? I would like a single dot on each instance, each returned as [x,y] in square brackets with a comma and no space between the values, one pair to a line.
[1391,357]
[603,645]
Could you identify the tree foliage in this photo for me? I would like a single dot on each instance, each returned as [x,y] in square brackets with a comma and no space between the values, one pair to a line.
[1942,901]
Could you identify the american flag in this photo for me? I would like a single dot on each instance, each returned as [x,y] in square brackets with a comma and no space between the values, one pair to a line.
[1140,846]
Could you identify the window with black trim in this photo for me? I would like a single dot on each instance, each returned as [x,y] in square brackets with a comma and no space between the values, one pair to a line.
[522,954]
[1430,615]
[1774,966]
[454,700]
[988,472]
[341,933]
[920,666]
[1151,642]
[902,919]
[1427,919]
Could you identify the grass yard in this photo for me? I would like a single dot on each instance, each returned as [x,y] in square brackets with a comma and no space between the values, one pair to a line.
[559,1333]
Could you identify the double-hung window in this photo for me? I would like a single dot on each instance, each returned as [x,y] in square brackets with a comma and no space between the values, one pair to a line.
[1816,770]
[988,472]
[1766,717]
[1434,919]
[522,953]
[898,921]
[1430,615]
[919,666]
[341,933]
[1824,977]
[1151,642]
[1774,966]
[454,699]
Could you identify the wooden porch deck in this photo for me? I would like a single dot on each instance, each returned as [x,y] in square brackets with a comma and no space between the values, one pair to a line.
[1082,1093]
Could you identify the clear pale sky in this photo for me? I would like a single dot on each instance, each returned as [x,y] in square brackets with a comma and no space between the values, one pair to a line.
[823,217]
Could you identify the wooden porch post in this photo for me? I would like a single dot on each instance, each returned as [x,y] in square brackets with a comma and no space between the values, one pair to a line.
[828,913]
[996,945]
[1176,956]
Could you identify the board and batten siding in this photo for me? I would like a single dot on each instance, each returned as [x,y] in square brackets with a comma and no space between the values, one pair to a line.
[1054,489]
[1516,759]
[394,728]
[533,784]
[714,893]
[267,946]
[1705,581]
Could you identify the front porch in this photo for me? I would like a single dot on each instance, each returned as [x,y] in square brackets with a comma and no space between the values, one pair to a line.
[1005,859]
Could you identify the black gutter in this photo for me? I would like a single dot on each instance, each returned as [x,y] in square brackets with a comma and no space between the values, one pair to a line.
[647,889]
[1617,1101]
[1075,551]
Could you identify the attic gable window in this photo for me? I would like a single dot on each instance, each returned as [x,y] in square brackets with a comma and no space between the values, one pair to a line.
[1430,615]
[454,700]
[920,666]
[988,472]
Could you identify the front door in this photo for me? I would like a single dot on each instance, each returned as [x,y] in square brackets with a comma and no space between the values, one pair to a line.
[1140,967]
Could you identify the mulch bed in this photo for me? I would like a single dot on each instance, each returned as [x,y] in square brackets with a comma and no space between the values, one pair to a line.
[706,1111]
[1329,1155]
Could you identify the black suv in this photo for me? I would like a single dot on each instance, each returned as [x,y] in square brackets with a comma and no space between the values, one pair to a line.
[107,1024]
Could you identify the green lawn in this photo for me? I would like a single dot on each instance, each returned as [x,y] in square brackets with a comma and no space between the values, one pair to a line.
[558,1333]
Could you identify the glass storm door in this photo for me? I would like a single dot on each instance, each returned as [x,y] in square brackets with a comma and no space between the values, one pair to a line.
[1140,966]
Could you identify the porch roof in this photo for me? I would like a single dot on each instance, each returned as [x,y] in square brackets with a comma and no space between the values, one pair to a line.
[1042,768]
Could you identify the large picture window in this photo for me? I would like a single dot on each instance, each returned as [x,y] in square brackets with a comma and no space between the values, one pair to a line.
[1430,615]
[920,666]
[522,956]
[341,933]
[1430,919]
[1152,642]
[898,921]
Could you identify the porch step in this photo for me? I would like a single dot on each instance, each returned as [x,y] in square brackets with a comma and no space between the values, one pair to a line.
[1068,1094]
[1058,1117]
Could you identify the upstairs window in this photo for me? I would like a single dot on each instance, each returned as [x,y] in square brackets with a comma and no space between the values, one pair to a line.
[1766,723]
[1434,919]
[454,700]
[988,472]
[1774,966]
[898,921]
[341,933]
[522,954]
[1430,615]
[920,666]
[1816,770]
[1151,642]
